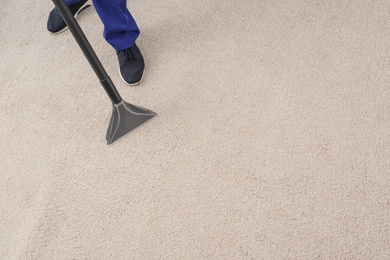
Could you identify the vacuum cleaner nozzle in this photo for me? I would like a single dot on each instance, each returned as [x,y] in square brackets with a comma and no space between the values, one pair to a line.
[125,117]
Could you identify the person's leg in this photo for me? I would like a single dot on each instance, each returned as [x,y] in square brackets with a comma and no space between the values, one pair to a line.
[121,32]
[120,28]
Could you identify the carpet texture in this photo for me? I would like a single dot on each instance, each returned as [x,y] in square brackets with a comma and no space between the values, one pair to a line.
[272,139]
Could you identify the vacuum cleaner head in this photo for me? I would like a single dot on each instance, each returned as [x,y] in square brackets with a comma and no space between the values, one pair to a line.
[125,117]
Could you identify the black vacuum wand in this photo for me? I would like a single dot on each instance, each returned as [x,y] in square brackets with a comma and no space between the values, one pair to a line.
[125,116]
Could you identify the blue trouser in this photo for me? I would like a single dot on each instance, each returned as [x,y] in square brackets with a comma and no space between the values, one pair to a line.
[120,28]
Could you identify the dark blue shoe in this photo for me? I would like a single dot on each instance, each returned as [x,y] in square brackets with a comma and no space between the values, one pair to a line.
[55,24]
[131,65]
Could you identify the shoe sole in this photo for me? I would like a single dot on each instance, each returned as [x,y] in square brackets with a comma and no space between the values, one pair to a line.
[132,84]
[82,8]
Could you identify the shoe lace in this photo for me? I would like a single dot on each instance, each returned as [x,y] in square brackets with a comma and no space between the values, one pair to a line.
[129,55]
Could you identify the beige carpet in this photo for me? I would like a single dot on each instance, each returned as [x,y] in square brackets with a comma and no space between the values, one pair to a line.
[272,140]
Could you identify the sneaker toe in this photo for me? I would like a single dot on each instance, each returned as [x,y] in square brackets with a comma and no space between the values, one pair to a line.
[131,75]
[55,22]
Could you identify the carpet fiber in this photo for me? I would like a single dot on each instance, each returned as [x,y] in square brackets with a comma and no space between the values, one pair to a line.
[272,138]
